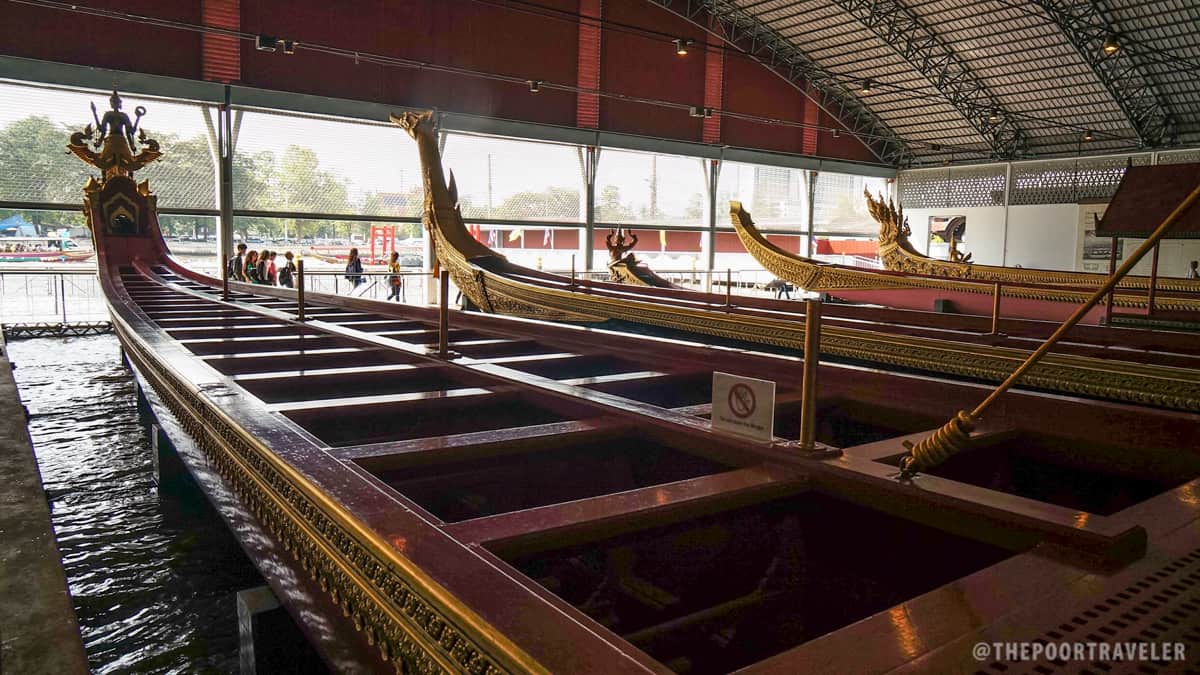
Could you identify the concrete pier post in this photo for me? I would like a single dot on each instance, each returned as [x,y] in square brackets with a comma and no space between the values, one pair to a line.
[270,641]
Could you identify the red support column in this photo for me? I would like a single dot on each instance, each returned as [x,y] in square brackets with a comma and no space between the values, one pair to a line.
[221,55]
[812,117]
[714,87]
[1112,267]
[587,107]
[1153,282]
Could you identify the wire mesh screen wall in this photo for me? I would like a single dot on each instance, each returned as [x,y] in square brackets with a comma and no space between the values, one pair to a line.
[318,185]
[953,187]
[505,179]
[776,197]
[838,204]
[1058,181]
[1070,181]
[652,189]
[35,167]
[1179,156]
[292,163]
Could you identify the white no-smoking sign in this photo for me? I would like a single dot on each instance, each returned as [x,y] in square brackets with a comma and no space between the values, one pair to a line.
[744,406]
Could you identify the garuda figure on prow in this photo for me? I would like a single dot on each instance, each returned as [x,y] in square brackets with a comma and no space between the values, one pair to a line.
[110,145]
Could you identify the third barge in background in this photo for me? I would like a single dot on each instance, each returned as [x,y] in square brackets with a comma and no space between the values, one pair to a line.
[539,497]
[915,281]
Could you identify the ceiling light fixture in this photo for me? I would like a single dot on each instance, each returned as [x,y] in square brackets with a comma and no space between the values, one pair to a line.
[1111,45]
[265,43]
[681,45]
[866,86]
[1088,135]
[993,117]
[534,86]
[836,133]
[700,111]
[289,46]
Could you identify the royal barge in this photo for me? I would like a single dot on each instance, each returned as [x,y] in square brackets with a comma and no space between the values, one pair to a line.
[915,281]
[1148,367]
[456,492]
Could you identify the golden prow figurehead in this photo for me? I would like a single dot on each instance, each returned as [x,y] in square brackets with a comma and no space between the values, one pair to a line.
[411,121]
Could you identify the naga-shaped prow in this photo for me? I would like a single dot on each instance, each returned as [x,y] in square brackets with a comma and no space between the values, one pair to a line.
[441,213]
[893,228]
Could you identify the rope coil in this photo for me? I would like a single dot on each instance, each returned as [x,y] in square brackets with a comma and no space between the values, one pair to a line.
[952,438]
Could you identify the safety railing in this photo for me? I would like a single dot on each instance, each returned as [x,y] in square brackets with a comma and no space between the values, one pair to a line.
[51,299]
[755,283]
[413,288]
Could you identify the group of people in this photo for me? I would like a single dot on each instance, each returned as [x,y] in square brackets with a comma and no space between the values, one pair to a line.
[254,267]
[354,274]
[24,248]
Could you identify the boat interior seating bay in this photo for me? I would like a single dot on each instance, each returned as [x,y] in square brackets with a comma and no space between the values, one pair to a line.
[543,497]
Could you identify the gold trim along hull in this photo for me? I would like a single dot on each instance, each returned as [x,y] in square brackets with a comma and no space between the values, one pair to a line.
[824,277]
[414,622]
[1162,386]
[898,255]
[416,625]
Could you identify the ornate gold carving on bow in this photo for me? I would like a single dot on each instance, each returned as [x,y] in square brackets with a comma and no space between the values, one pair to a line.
[110,144]
[896,252]
[385,601]
[898,255]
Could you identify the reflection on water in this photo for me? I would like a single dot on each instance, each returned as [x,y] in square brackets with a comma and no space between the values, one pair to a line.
[154,580]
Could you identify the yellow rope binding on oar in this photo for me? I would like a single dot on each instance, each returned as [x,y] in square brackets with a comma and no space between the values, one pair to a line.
[955,435]
[951,438]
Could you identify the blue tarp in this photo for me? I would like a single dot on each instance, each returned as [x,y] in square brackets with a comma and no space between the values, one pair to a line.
[17,226]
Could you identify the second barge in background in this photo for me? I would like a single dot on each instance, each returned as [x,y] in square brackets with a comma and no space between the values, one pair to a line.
[1151,367]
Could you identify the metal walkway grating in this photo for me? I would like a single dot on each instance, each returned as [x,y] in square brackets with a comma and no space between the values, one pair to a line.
[1163,607]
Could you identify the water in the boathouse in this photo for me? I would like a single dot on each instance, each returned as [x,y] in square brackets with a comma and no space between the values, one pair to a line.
[154,579]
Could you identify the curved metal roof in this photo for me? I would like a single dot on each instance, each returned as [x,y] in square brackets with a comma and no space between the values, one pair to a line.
[966,80]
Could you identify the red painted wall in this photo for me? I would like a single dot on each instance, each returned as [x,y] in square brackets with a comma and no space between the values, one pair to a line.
[648,67]
[754,90]
[455,33]
[54,35]
[728,242]
[529,44]
[650,241]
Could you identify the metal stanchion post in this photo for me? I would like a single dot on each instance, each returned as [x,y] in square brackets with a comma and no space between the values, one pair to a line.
[444,314]
[300,289]
[225,282]
[62,292]
[728,287]
[996,309]
[572,270]
[812,360]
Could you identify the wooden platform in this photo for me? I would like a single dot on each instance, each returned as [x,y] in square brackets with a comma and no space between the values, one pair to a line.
[38,629]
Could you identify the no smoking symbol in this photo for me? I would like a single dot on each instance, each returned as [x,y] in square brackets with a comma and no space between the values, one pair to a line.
[741,401]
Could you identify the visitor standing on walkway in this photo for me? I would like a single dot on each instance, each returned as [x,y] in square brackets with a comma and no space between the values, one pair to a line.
[354,270]
[237,264]
[287,273]
[250,269]
[264,260]
[395,281]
